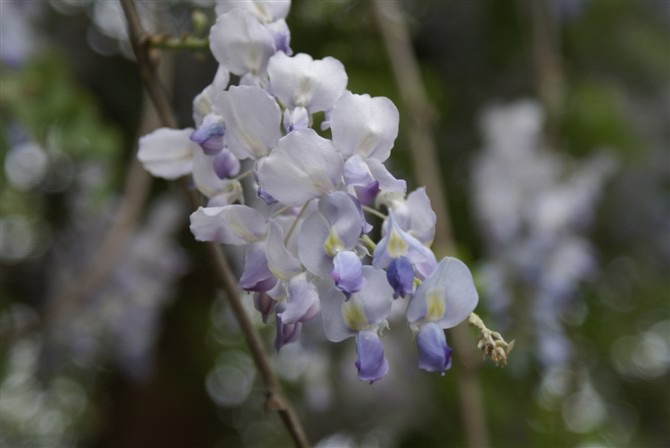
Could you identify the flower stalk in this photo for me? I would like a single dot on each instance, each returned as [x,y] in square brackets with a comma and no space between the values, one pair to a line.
[275,400]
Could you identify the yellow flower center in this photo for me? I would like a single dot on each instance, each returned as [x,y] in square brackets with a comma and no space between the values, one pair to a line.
[435,306]
[397,246]
[354,314]
[333,244]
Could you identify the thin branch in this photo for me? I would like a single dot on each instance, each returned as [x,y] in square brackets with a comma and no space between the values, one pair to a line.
[548,66]
[398,45]
[275,399]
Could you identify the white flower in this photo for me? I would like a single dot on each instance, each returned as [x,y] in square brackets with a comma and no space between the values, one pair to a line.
[167,153]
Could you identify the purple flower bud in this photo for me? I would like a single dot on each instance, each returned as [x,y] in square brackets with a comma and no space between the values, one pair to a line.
[400,275]
[226,164]
[210,134]
[434,353]
[264,304]
[286,333]
[370,362]
[348,272]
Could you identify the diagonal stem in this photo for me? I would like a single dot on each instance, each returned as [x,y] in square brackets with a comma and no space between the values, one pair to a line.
[275,399]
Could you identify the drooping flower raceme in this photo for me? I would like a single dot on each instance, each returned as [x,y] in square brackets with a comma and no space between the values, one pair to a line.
[306,246]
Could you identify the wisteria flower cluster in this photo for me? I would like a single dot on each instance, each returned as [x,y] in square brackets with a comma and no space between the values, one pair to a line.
[306,246]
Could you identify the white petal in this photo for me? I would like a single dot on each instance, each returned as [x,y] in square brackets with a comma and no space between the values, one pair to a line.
[334,327]
[280,261]
[202,104]
[343,216]
[167,153]
[231,193]
[313,234]
[221,79]
[300,81]
[451,283]
[422,216]
[231,224]
[296,119]
[376,295]
[386,180]
[357,172]
[365,126]
[241,43]
[304,166]
[204,176]
[252,120]
[266,11]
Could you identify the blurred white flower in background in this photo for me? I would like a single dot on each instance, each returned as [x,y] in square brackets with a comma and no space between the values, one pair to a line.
[534,207]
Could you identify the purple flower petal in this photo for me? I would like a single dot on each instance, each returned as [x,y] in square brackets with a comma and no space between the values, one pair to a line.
[286,333]
[210,134]
[446,297]
[397,243]
[256,275]
[400,275]
[281,35]
[226,164]
[303,303]
[367,194]
[434,353]
[348,272]
[371,362]
[264,304]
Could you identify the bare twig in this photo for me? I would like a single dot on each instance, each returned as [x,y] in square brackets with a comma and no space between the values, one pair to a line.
[275,399]
[548,66]
[426,167]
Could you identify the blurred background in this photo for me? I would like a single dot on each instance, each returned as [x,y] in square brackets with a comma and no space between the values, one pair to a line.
[551,121]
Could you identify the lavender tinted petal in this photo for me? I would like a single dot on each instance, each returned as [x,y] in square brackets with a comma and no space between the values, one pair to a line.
[264,304]
[370,362]
[434,353]
[210,134]
[286,333]
[303,303]
[226,164]
[348,272]
[256,275]
[400,275]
